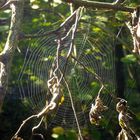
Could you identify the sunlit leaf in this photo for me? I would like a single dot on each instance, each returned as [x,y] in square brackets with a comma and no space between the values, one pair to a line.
[96,29]
[58,130]
[130,58]
[35,6]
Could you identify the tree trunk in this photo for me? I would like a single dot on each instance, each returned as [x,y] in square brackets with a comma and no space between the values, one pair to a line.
[10,46]
[120,79]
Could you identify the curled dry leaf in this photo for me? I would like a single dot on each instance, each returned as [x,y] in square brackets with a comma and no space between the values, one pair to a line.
[96,111]
[127,133]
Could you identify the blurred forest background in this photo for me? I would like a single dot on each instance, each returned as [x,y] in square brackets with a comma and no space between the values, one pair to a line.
[105,29]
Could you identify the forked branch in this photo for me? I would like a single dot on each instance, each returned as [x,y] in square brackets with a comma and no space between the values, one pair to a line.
[53,83]
[56,98]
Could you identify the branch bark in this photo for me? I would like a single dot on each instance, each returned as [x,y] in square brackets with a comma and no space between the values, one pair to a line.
[101,5]
[10,46]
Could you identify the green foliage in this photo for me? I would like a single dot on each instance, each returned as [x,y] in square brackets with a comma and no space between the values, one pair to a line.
[104,25]
[129,59]
[4,28]
[60,134]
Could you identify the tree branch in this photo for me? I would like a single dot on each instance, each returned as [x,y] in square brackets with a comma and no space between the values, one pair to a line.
[10,46]
[102,5]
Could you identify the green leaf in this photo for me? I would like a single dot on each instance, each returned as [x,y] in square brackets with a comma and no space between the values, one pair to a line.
[95,85]
[130,58]
[58,130]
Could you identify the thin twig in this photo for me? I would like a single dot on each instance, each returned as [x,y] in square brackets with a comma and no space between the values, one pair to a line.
[72,38]
[44,111]
[92,72]
[23,123]
[57,56]
[73,108]
[40,114]
[97,77]
[100,90]
[36,127]
[56,31]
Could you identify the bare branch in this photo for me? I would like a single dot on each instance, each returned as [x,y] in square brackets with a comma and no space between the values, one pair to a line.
[23,123]
[55,31]
[8,3]
[73,108]
[119,1]
[36,127]
[102,5]
[39,115]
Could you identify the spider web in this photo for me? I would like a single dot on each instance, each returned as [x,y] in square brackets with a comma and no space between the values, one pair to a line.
[91,59]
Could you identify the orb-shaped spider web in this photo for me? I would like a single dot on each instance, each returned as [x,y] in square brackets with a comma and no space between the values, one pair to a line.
[90,64]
